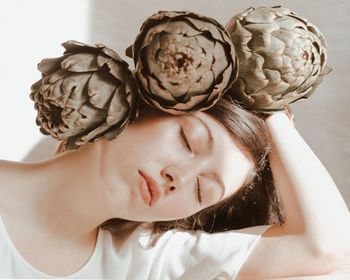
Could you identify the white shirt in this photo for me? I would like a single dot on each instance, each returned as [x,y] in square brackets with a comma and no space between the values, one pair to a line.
[175,255]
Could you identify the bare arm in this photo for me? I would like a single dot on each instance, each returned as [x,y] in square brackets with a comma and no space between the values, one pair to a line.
[316,235]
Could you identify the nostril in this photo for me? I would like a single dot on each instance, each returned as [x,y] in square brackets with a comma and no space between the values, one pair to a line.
[171,178]
[172,188]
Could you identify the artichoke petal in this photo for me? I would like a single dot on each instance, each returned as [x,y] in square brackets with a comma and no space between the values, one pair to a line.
[112,54]
[207,27]
[181,28]
[220,63]
[70,90]
[114,132]
[261,16]
[49,65]
[73,46]
[92,134]
[89,117]
[54,93]
[114,68]
[152,55]
[117,112]
[157,89]
[80,62]
[100,89]
[34,90]
[55,76]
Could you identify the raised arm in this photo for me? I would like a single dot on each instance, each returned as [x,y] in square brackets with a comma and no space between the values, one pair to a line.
[315,237]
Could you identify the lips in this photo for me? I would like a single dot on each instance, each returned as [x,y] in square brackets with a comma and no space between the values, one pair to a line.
[149,190]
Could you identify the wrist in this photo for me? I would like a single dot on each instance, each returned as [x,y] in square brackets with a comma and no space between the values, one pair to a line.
[285,114]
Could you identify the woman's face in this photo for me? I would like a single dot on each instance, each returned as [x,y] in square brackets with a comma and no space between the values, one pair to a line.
[192,159]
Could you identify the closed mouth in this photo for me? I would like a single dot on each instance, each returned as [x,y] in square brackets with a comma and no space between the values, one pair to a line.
[149,191]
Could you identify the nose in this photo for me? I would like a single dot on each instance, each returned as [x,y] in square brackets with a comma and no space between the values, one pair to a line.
[178,178]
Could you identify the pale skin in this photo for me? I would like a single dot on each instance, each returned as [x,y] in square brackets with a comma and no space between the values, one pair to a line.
[64,199]
[315,239]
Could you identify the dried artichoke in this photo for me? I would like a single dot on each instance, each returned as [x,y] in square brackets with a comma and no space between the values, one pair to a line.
[282,57]
[184,61]
[85,95]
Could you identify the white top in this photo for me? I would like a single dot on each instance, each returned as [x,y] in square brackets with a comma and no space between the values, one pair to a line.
[175,255]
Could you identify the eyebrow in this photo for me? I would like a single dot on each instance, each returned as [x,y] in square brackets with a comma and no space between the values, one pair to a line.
[221,184]
[210,135]
[210,148]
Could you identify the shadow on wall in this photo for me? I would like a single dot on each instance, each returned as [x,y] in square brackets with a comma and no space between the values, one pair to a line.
[322,120]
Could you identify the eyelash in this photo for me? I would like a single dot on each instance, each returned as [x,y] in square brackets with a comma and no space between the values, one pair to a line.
[198,192]
[184,141]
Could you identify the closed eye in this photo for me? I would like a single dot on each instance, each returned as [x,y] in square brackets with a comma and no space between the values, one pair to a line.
[198,191]
[184,140]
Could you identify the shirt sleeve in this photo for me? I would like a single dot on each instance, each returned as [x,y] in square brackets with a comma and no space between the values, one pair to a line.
[201,255]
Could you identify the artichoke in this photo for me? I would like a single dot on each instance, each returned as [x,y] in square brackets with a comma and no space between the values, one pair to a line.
[282,57]
[183,61]
[85,95]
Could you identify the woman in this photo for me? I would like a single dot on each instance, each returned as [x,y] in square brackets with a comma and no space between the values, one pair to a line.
[207,170]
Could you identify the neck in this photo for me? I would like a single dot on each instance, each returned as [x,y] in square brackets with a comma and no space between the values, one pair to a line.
[62,195]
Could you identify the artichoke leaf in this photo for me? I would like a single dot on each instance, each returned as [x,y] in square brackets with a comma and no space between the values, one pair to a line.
[55,76]
[73,46]
[110,53]
[80,62]
[70,91]
[114,132]
[207,27]
[180,27]
[100,89]
[157,89]
[220,62]
[90,136]
[118,108]
[49,65]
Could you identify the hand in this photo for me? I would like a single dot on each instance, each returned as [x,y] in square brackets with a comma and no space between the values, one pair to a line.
[286,111]
[289,114]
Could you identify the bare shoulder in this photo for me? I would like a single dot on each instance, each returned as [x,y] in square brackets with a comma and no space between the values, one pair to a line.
[278,254]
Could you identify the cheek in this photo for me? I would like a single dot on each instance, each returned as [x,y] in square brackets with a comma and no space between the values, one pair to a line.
[177,207]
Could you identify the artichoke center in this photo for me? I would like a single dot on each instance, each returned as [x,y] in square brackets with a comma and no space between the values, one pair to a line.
[178,62]
[54,112]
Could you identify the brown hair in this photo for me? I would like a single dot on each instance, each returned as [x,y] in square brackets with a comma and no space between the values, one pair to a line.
[255,203]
